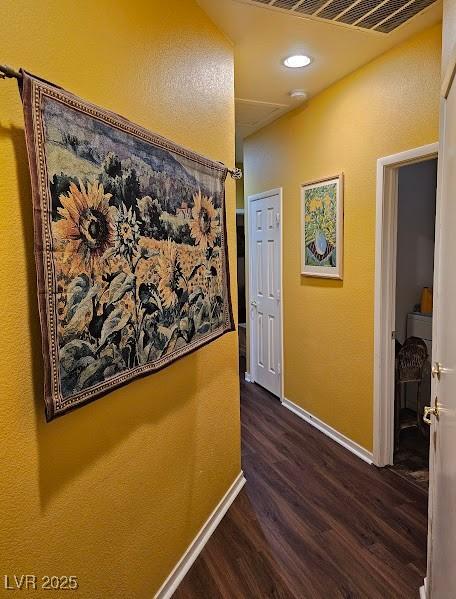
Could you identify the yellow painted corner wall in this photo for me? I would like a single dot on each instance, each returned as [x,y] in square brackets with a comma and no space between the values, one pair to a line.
[114,492]
[387,106]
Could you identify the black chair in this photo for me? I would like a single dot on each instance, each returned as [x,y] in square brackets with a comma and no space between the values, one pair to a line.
[411,360]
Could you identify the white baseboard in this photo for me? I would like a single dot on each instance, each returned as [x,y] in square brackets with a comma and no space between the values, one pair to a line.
[329,431]
[248,377]
[423,590]
[196,546]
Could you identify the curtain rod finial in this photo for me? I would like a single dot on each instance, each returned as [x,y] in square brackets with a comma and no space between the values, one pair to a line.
[236,173]
[8,72]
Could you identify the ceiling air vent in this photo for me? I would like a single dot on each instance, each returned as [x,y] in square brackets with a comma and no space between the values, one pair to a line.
[382,16]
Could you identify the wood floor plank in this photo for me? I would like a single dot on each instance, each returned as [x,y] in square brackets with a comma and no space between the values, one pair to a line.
[312,522]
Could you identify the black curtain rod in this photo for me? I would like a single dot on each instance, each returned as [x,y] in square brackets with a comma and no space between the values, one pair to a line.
[7,72]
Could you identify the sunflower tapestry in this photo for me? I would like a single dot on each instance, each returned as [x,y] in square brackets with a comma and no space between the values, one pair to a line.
[130,246]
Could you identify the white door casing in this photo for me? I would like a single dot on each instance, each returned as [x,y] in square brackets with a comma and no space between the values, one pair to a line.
[385,295]
[265,289]
[441,574]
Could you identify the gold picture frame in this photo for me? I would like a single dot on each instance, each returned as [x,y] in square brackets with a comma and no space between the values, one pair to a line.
[322,238]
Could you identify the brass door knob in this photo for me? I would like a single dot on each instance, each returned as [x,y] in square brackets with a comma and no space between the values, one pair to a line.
[436,370]
[431,411]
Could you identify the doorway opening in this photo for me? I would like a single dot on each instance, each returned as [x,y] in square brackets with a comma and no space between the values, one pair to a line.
[240,235]
[405,239]
[265,291]
[416,210]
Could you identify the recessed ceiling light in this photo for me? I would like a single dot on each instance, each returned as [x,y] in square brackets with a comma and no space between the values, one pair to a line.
[297,61]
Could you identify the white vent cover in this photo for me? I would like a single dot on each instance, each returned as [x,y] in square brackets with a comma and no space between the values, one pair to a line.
[254,113]
[382,16]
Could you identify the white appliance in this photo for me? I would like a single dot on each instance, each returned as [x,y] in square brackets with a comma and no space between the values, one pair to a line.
[420,325]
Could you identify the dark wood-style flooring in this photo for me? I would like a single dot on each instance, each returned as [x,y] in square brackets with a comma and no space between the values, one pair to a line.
[411,459]
[313,521]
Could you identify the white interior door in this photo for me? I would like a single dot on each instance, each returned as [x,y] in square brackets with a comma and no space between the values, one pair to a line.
[265,290]
[441,583]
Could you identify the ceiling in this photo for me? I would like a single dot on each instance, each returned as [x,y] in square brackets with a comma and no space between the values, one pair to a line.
[263,36]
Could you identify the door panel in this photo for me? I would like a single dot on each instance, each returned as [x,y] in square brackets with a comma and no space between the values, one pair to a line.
[442,513]
[265,274]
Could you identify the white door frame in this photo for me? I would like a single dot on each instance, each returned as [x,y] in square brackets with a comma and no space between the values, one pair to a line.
[385,295]
[250,376]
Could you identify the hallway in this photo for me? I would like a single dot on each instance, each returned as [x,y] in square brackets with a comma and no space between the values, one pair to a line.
[313,520]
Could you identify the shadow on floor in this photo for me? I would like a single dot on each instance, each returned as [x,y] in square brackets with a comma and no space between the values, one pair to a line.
[411,460]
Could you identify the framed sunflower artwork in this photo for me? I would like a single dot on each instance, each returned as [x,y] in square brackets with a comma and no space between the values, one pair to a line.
[322,216]
[130,246]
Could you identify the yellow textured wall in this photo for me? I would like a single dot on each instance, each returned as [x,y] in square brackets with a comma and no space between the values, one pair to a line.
[389,105]
[114,492]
